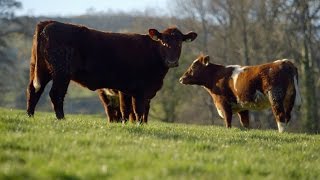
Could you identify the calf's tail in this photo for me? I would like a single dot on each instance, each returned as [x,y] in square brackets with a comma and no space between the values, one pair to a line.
[294,74]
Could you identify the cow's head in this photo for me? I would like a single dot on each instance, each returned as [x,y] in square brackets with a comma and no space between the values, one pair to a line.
[196,73]
[170,42]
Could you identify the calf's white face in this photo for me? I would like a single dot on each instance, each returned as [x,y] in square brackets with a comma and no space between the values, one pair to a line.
[196,73]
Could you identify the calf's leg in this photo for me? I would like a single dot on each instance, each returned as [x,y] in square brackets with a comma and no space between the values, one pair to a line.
[139,109]
[226,112]
[276,98]
[244,118]
[288,104]
[110,112]
[125,106]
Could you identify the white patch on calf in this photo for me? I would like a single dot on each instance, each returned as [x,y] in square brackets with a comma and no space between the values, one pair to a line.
[154,37]
[235,73]
[220,112]
[297,100]
[281,126]
[281,60]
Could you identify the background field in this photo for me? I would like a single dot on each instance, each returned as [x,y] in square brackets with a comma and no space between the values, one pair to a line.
[244,32]
[87,147]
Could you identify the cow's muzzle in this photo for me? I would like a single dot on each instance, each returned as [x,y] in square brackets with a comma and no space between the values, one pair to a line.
[172,64]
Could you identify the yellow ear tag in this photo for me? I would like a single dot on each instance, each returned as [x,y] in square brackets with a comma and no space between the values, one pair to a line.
[155,37]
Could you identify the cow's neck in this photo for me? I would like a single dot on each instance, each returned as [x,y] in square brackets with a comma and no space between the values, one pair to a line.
[156,45]
[213,74]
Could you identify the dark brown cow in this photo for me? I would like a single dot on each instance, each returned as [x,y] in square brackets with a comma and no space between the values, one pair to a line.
[238,89]
[134,64]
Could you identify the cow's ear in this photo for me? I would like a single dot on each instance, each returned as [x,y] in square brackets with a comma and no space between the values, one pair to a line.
[190,37]
[154,34]
[206,60]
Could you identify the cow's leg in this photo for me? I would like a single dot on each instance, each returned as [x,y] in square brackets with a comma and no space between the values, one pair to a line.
[115,113]
[60,60]
[146,113]
[228,119]
[139,108]
[276,98]
[225,111]
[244,118]
[106,104]
[288,105]
[132,116]
[125,106]
[57,93]
[33,96]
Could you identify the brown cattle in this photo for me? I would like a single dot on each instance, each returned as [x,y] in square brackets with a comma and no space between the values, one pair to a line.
[238,89]
[112,100]
[134,64]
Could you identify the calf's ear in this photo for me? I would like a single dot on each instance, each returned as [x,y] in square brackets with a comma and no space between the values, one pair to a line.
[154,34]
[190,37]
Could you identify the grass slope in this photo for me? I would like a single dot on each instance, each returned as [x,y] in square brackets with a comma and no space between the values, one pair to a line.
[86,147]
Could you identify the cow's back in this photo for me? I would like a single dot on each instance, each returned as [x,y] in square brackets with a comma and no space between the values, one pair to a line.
[127,62]
[253,83]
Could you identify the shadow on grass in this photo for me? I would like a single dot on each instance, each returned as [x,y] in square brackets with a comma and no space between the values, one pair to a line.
[240,137]
[165,133]
[17,175]
[63,176]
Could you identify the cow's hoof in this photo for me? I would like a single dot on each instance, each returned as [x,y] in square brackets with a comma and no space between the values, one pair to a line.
[60,117]
[30,114]
[139,123]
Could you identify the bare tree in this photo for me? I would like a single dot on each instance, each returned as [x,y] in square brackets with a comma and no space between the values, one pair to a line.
[7,8]
[303,16]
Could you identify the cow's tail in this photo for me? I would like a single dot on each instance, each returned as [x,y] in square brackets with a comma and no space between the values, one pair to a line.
[35,70]
[34,60]
[294,74]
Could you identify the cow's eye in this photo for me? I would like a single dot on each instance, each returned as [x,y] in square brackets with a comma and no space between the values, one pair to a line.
[164,44]
[190,72]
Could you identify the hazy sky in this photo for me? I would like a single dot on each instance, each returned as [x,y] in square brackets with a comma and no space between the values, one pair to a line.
[77,7]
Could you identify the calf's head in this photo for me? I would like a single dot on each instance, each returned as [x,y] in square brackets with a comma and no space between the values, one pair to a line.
[170,41]
[196,74]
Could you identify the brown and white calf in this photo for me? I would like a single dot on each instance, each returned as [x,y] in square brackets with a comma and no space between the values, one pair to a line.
[118,106]
[238,89]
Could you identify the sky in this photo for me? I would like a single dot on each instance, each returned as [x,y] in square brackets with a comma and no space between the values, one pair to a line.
[78,7]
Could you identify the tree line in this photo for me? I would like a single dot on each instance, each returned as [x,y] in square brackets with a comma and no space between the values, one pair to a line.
[245,32]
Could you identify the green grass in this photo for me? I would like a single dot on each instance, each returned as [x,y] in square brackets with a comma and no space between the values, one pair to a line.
[87,147]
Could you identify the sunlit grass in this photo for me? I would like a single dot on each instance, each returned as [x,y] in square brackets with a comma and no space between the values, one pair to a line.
[87,147]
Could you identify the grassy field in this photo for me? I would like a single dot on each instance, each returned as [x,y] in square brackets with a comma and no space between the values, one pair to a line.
[87,147]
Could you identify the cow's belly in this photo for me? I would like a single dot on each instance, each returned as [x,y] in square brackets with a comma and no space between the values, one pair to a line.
[258,102]
[129,86]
